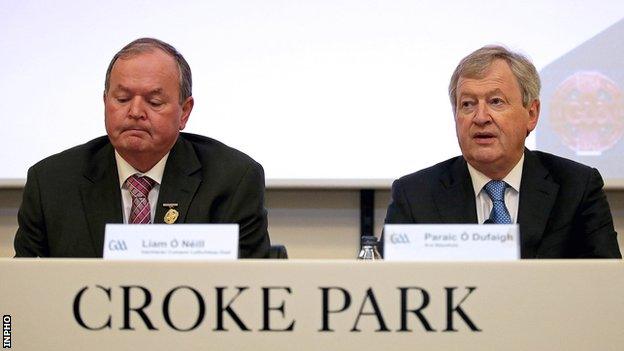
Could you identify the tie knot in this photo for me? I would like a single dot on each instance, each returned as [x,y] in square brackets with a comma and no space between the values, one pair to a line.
[496,189]
[139,186]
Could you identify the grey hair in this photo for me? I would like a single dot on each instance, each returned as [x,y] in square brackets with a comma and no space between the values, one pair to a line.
[143,45]
[477,63]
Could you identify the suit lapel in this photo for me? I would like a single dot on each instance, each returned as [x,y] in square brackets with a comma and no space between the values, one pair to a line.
[538,193]
[101,195]
[180,181]
[455,199]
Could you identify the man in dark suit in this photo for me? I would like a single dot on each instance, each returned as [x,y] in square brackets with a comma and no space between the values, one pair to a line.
[144,170]
[559,204]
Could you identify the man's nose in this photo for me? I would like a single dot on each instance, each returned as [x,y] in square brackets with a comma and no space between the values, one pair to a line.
[482,114]
[137,108]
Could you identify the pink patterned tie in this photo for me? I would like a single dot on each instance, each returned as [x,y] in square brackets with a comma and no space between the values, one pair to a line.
[139,187]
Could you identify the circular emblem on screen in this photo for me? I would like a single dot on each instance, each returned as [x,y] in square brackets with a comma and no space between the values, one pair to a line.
[587,113]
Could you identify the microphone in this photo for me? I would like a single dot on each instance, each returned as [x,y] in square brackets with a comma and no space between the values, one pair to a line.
[488,221]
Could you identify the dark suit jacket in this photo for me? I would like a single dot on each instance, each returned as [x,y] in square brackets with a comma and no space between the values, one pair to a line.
[562,213]
[70,196]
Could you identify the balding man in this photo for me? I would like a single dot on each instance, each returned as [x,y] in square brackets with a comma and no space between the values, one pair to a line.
[142,169]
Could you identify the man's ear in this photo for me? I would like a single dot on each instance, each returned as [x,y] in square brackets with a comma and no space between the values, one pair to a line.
[187,107]
[534,111]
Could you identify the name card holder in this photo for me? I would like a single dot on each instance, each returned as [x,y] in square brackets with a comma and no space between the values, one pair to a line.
[171,242]
[451,242]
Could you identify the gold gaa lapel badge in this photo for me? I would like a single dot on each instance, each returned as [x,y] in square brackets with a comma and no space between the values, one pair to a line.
[172,214]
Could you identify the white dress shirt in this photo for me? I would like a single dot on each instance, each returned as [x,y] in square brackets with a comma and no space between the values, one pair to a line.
[125,171]
[512,193]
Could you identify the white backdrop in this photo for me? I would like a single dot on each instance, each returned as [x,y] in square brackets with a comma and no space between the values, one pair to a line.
[319,92]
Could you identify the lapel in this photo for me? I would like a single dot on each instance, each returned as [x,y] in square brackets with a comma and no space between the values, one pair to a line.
[538,193]
[455,198]
[101,196]
[180,181]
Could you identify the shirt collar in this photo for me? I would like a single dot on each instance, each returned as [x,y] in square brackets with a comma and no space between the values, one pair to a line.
[513,178]
[125,170]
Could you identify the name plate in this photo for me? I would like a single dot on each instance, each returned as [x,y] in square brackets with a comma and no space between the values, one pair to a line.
[171,242]
[451,242]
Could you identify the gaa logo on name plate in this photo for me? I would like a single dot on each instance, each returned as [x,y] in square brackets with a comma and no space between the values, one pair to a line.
[117,245]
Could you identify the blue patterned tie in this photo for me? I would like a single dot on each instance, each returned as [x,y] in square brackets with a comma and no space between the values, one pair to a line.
[496,190]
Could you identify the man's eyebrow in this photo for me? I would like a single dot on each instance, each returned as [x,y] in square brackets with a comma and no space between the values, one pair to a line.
[121,87]
[496,91]
[157,91]
[466,94]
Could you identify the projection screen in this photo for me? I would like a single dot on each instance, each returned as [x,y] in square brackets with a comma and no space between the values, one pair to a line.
[344,93]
